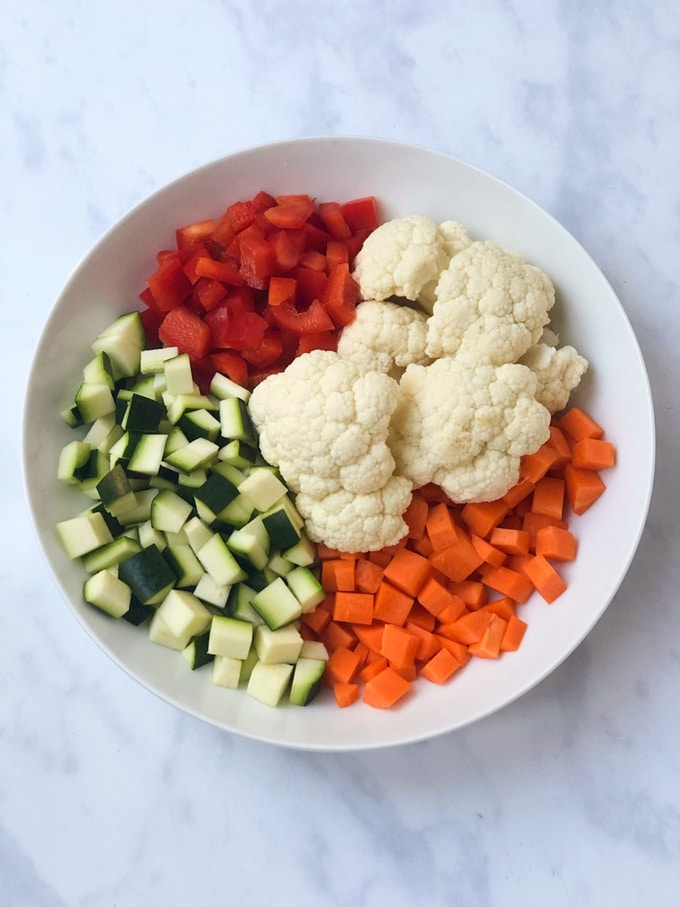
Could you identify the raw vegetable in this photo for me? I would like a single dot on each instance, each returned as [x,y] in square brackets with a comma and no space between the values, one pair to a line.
[270,279]
[188,529]
[453,588]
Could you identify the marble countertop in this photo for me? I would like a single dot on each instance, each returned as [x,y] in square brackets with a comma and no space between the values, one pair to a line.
[110,797]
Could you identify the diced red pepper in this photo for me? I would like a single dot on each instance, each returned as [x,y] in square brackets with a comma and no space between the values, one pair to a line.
[240,299]
[317,238]
[361,214]
[194,233]
[225,271]
[208,293]
[342,295]
[334,221]
[290,211]
[308,342]
[355,242]
[267,352]
[281,289]
[262,201]
[199,251]
[151,320]
[240,215]
[169,284]
[233,365]
[337,252]
[312,320]
[311,284]
[241,331]
[147,298]
[314,260]
[185,330]
[203,371]
[286,251]
[258,262]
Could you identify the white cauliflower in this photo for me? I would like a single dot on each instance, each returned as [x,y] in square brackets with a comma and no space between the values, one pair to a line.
[456,239]
[464,425]
[384,335]
[557,371]
[358,522]
[324,422]
[400,257]
[489,302]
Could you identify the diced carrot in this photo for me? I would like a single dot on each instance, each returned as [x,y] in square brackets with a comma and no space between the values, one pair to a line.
[337,574]
[415,516]
[391,604]
[409,672]
[473,593]
[510,541]
[583,487]
[534,466]
[353,607]
[483,517]
[593,453]
[381,558]
[513,520]
[514,634]
[440,528]
[489,646]
[371,668]
[544,578]
[467,629]
[367,575]
[337,636]
[455,609]
[345,693]
[307,632]
[434,596]
[421,616]
[560,444]
[508,582]
[423,545]
[503,607]
[579,424]
[428,643]
[458,650]
[407,571]
[328,603]
[441,667]
[548,497]
[323,552]
[459,560]
[555,543]
[385,689]
[342,665]
[486,551]
[362,651]
[399,646]
[518,492]
[433,494]
[317,620]
[532,522]
[370,636]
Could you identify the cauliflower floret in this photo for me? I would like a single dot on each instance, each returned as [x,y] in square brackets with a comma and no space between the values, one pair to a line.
[456,239]
[324,422]
[558,372]
[383,335]
[358,522]
[465,425]
[490,302]
[400,257]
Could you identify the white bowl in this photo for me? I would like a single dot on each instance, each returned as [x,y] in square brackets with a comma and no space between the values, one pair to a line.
[407,180]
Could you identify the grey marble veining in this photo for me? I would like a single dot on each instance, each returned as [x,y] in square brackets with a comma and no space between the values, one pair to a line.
[111,798]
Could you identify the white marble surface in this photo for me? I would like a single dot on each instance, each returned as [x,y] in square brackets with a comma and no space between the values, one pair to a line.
[108,796]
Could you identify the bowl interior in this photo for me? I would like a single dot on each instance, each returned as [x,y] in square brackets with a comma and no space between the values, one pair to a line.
[407,180]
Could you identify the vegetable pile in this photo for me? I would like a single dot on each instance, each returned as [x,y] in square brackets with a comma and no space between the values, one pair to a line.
[331,451]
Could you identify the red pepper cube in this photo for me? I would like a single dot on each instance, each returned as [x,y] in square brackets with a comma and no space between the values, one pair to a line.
[281,289]
[334,220]
[342,295]
[168,284]
[185,330]
[361,214]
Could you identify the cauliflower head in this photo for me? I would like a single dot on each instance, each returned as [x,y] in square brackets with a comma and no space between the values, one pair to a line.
[324,422]
[456,239]
[400,257]
[557,371]
[465,425]
[384,335]
[490,302]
